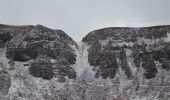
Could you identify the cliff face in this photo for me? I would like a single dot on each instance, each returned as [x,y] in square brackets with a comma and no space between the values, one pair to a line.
[138,58]
[147,46]
[116,63]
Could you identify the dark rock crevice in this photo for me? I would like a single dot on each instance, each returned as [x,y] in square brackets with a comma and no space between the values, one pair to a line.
[149,65]
[124,64]
[5,82]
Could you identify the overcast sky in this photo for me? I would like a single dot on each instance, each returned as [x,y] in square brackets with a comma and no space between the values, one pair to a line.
[78,17]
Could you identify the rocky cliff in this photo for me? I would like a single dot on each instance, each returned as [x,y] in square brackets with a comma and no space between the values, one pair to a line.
[115,63]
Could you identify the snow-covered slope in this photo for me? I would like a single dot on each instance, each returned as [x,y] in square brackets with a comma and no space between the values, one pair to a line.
[38,63]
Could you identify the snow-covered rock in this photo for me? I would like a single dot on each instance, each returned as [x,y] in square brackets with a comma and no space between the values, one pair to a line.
[116,63]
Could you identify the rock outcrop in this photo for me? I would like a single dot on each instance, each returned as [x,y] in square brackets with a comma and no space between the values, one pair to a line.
[137,40]
[24,43]
[139,55]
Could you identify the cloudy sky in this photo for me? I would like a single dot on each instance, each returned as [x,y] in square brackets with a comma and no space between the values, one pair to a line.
[78,17]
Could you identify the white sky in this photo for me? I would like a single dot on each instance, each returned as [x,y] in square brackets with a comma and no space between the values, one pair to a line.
[78,17]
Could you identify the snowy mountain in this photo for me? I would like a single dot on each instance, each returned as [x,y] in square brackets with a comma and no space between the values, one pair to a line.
[115,63]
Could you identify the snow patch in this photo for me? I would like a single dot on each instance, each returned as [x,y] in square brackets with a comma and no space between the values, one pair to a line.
[82,63]
[168,37]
